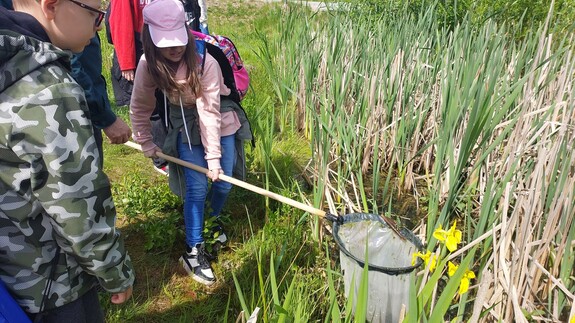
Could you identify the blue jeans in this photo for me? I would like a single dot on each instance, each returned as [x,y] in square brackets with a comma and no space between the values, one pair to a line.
[197,186]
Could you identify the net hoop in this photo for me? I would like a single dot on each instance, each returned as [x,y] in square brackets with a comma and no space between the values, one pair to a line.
[405,233]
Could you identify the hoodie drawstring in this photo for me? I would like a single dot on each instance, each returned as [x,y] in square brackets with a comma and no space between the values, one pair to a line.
[166,110]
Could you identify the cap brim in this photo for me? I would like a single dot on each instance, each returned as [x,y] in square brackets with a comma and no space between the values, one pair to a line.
[171,38]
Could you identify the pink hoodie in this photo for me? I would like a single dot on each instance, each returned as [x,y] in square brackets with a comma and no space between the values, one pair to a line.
[213,124]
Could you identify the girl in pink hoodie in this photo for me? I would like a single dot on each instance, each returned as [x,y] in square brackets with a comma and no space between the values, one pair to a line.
[198,131]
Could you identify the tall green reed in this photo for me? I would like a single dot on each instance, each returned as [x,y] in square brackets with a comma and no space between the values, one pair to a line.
[483,121]
[283,296]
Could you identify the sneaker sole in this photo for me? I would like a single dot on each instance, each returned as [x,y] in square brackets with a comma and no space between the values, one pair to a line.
[161,171]
[194,276]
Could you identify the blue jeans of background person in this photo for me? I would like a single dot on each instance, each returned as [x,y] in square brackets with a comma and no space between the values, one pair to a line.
[197,186]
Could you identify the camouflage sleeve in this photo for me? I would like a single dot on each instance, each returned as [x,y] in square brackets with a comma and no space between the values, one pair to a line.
[53,134]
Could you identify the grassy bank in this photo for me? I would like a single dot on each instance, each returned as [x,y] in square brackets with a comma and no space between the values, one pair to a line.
[262,232]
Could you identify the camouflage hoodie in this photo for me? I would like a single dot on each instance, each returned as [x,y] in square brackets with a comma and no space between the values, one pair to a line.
[52,190]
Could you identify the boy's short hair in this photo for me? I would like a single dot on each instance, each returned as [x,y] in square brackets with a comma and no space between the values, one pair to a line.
[22,4]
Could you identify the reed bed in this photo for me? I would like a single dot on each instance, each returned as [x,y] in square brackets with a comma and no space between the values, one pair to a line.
[476,125]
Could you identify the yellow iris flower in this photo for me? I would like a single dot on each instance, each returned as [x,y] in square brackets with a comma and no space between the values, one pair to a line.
[464,284]
[451,268]
[429,259]
[452,237]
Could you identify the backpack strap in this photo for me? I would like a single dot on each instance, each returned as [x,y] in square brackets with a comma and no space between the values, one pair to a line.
[201,50]
[202,47]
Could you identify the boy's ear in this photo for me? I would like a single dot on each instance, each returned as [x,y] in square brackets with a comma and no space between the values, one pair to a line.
[49,8]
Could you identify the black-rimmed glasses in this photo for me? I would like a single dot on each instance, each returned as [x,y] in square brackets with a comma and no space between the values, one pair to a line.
[100,13]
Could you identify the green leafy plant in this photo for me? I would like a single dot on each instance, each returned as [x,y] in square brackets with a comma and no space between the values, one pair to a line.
[151,209]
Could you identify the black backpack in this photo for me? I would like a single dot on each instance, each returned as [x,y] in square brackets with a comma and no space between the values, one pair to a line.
[193,12]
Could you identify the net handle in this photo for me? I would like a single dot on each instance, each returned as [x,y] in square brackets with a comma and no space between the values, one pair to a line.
[237,182]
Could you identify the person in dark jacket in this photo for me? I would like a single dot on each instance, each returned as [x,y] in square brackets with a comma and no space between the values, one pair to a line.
[87,71]
[6,4]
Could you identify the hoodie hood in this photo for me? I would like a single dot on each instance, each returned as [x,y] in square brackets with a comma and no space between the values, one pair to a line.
[22,23]
[24,47]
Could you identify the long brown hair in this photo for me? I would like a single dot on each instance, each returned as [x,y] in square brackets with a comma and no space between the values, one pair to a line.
[163,75]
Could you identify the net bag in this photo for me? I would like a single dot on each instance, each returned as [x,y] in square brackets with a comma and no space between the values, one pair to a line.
[389,258]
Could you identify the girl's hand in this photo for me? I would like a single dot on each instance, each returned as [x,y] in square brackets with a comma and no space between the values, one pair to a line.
[214,174]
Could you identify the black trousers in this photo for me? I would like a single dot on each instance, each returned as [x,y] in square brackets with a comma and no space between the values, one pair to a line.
[85,309]
[122,87]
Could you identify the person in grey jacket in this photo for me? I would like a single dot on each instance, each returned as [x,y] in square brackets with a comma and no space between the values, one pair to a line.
[57,216]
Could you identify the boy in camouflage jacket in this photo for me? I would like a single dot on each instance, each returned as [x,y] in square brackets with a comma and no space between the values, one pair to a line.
[55,200]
